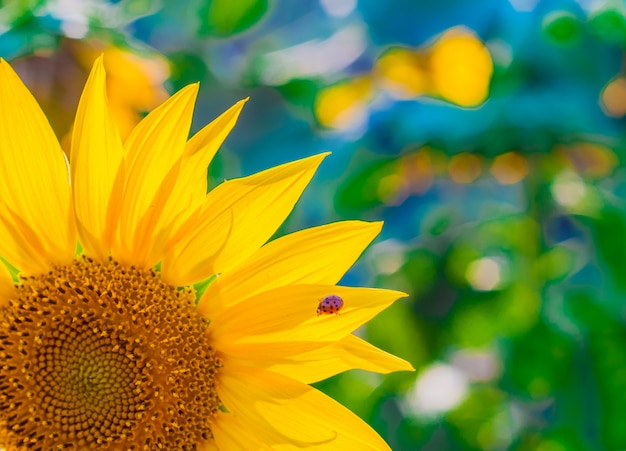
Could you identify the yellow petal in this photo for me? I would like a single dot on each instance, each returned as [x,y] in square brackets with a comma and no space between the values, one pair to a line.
[294,411]
[7,286]
[20,245]
[191,185]
[34,181]
[349,353]
[208,140]
[208,446]
[288,315]
[153,153]
[231,433]
[97,172]
[236,219]
[319,255]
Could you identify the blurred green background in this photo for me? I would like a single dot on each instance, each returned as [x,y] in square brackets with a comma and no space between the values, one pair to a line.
[488,134]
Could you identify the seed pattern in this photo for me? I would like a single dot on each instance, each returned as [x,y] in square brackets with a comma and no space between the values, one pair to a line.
[104,356]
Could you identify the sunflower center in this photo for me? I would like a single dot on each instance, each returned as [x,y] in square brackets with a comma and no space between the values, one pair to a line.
[104,356]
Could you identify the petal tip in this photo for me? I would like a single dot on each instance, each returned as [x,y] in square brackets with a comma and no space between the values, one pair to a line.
[99,61]
[190,90]
[318,158]
[98,71]
[375,226]
[325,154]
[7,70]
[238,106]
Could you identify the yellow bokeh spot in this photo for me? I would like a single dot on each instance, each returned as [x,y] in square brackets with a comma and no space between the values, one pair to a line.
[134,85]
[134,81]
[464,168]
[613,98]
[509,168]
[461,67]
[401,72]
[344,105]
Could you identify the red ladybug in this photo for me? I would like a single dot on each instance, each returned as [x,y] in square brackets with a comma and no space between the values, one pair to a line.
[330,304]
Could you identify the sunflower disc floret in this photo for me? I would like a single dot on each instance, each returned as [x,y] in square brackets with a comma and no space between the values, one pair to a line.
[104,356]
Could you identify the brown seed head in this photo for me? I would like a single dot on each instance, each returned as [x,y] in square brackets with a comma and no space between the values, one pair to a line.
[107,357]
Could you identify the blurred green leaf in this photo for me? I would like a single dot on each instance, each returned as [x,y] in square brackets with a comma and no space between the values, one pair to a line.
[609,22]
[413,433]
[561,439]
[609,234]
[474,323]
[420,269]
[606,337]
[540,361]
[481,420]
[223,18]
[554,264]
[461,255]
[15,12]
[440,220]
[300,92]
[186,68]
[562,27]
[360,191]
[517,308]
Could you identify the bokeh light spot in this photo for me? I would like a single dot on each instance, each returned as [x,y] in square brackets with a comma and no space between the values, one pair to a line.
[477,365]
[509,168]
[401,72]
[589,159]
[314,58]
[464,168]
[484,274]
[344,106]
[568,189]
[613,97]
[388,257]
[438,389]
[338,8]
[461,67]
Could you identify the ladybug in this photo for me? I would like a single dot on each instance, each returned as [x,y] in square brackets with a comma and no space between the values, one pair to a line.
[330,304]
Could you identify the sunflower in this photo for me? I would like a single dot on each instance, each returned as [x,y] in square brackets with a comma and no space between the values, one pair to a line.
[148,314]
